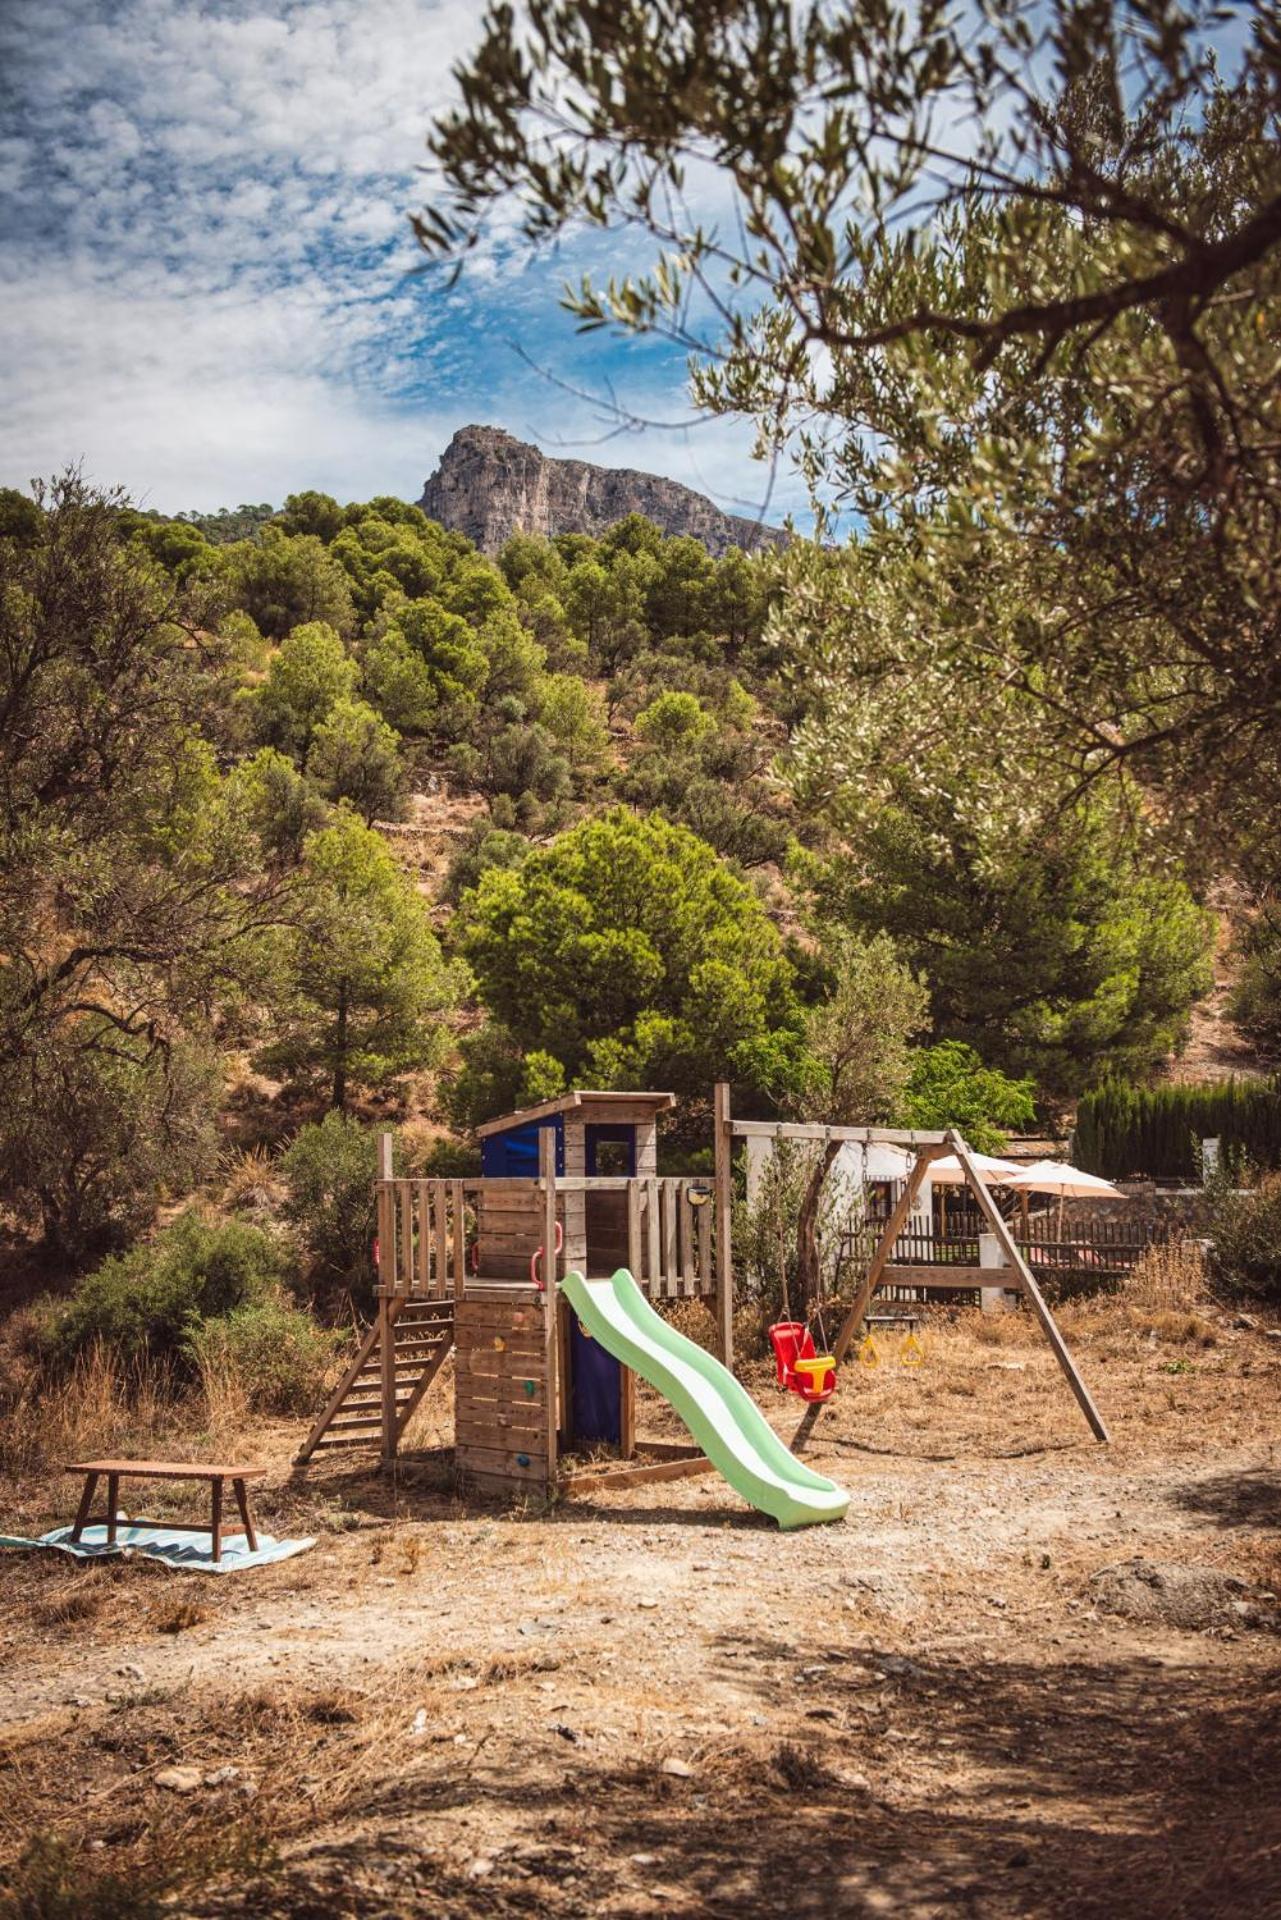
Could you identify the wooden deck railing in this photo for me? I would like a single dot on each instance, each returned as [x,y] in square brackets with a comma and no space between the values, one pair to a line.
[669,1234]
[661,1229]
[424,1230]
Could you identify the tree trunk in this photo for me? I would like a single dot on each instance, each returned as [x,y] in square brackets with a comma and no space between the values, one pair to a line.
[339,1099]
[807,1230]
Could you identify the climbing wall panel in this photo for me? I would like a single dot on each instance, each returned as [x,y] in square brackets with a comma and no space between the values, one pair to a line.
[502,1390]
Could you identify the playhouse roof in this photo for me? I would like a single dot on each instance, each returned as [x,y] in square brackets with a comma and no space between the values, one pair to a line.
[603,1103]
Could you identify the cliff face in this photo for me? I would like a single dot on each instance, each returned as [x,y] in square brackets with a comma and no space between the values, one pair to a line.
[489,485]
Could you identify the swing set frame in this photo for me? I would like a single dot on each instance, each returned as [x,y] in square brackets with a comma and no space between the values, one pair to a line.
[928,1147]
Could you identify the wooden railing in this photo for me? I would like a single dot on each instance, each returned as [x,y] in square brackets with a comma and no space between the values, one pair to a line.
[670,1233]
[424,1230]
[661,1229]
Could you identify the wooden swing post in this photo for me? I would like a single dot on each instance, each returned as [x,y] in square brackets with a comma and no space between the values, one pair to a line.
[1005,1240]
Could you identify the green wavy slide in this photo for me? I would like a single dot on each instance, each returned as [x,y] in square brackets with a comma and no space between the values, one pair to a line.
[720,1414]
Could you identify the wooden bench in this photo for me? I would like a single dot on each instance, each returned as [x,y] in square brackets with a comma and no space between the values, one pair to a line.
[118,1470]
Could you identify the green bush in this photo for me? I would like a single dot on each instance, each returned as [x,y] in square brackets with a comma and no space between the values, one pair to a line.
[1245,1237]
[329,1173]
[272,1351]
[149,1302]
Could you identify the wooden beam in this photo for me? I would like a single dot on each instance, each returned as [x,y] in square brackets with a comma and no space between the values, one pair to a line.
[815,1130]
[551,1291]
[872,1278]
[387,1307]
[723,1196]
[964,1279]
[633,1474]
[1006,1242]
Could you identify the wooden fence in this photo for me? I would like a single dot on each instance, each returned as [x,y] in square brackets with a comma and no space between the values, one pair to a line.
[1097,1250]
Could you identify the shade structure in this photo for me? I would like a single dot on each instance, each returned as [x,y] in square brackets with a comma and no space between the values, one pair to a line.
[992,1172]
[1055,1176]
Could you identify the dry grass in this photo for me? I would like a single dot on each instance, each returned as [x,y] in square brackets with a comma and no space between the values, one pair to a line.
[99,1407]
[225,1394]
[1170,1277]
[178,1616]
[250,1178]
[1164,1299]
[694,1319]
[81,1601]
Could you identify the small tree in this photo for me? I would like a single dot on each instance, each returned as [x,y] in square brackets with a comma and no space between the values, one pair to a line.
[96,1126]
[329,1172]
[307,678]
[285,581]
[356,757]
[631,954]
[950,1087]
[860,1047]
[361,976]
[673,720]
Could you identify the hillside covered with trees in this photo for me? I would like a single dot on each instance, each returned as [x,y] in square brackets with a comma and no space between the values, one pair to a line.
[212,933]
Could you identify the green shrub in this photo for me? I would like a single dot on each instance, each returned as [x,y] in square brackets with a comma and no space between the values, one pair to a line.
[1245,1237]
[148,1303]
[329,1173]
[766,1260]
[273,1353]
[448,1159]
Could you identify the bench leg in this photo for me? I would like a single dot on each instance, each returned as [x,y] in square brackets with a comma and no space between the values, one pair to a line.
[216,1529]
[113,1495]
[86,1501]
[242,1501]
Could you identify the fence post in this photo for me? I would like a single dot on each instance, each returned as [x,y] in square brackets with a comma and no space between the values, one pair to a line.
[992,1299]
[723,1149]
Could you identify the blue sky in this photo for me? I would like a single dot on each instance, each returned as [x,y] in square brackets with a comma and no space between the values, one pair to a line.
[208,288]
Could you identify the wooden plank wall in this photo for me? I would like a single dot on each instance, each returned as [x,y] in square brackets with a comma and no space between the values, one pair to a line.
[501,1391]
[509,1228]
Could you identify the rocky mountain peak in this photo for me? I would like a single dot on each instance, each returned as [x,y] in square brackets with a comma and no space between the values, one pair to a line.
[489,485]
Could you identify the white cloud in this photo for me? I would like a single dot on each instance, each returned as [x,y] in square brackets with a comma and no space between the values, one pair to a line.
[209,290]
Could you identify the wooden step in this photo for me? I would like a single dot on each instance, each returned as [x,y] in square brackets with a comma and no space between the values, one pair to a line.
[369,1408]
[402,1361]
[400,1364]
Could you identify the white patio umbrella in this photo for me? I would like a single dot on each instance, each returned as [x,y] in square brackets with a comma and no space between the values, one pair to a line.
[1055,1176]
[991,1171]
[950,1173]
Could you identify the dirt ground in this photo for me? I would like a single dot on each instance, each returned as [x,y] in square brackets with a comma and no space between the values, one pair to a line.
[1028,1675]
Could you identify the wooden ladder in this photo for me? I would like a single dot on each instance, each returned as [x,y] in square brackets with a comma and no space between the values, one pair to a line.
[422,1335]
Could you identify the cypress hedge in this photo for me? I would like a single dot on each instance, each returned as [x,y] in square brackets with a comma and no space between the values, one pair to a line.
[1123,1130]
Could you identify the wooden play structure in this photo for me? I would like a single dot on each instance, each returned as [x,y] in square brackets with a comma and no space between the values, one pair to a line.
[474,1266]
[463,1266]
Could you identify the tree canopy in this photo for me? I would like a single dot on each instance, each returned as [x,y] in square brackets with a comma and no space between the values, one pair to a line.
[629,954]
[1009,286]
